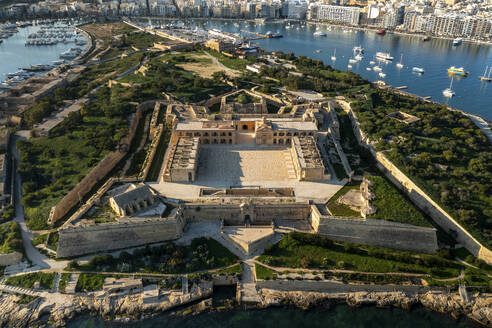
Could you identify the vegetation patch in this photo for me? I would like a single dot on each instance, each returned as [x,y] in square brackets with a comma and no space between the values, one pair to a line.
[391,205]
[236,269]
[299,250]
[25,299]
[89,282]
[338,209]
[62,285]
[202,254]
[46,280]
[262,272]
[10,238]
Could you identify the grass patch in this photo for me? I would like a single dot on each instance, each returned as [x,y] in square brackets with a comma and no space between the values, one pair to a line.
[341,209]
[264,273]
[339,171]
[89,282]
[235,269]
[202,254]
[10,238]
[25,299]
[391,205]
[62,285]
[298,250]
[46,280]
[155,167]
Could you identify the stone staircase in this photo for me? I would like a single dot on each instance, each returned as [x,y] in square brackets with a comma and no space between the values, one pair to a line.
[17,290]
[291,172]
[247,288]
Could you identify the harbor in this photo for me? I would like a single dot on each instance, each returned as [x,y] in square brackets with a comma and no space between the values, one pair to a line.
[43,45]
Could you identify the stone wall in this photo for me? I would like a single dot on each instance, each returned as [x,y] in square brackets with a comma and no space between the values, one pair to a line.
[235,214]
[375,232]
[83,240]
[418,196]
[10,258]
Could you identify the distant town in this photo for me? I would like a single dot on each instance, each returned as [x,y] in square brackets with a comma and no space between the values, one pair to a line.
[451,18]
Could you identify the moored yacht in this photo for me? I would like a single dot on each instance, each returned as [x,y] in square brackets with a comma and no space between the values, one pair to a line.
[384,56]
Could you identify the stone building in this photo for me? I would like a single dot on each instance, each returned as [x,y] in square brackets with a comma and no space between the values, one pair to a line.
[134,199]
[220,45]
[307,160]
[183,160]
[177,111]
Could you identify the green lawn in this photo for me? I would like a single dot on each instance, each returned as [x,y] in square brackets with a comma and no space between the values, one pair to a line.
[46,280]
[341,209]
[155,167]
[10,238]
[202,254]
[65,277]
[235,269]
[89,282]
[391,205]
[297,250]
[264,272]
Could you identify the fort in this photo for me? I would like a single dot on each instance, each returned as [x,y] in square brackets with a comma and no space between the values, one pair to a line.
[246,169]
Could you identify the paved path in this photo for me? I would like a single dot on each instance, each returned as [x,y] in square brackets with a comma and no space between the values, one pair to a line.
[31,252]
[231,71]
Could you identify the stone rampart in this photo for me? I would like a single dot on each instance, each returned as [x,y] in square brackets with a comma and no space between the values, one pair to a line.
[375,232]
[83,240]
[10,258]
[235,214]
[418,196]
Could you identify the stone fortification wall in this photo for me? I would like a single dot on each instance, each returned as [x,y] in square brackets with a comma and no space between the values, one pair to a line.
[99,172]
[110,236]
[375,232]
[418,196]
[232,214]
[10,258]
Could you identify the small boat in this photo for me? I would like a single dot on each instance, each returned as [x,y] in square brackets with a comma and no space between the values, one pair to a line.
[426,38]
[334,57]
[317,51]
[419,70]
[368,69]
[352,61]
[319,33]
[381,31]
[358,57]
[358,49]
[486,77]
[457,71]
[383,75]
[372,62]
[377,69]
[400,64]
[384,56]
[457,41]
[448,92]
[349,66]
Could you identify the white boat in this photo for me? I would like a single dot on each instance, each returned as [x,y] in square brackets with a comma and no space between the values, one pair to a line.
[358,57]
[352,61]
[372,62]
[383,75]
[400,64]
[486,77]
[448,92]
[457,41]
[419,70]
[384,56]
[377,69]
[334,57]
[317,51]
[368,69]
[358,49]
[319,33]
[349,66]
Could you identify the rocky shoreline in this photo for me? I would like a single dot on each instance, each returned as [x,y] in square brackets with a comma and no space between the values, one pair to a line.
[58,310]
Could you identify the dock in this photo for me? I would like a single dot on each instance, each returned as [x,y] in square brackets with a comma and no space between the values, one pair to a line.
[260,36]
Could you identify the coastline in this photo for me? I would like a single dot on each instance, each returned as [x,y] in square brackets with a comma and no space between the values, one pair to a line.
[58,309]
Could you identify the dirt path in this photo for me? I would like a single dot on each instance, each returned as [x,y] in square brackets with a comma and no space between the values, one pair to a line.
[228,70]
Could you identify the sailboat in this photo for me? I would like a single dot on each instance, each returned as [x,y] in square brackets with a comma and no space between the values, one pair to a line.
[449,91]
[334,57]
[486,77]
[400,64]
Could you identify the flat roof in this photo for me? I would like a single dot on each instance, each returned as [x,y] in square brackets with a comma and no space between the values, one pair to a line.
[202,125]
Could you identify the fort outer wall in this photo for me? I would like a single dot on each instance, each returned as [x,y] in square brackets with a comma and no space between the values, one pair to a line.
[375,232]
[236,214]
[99,172]
[81,240]
[418,196]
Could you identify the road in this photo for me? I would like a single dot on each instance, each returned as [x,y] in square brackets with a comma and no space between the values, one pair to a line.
[31,252]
